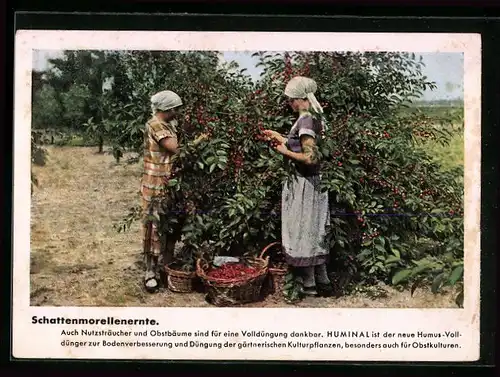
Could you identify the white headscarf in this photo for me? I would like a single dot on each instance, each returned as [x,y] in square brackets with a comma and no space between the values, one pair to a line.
[164,101]
[304,87]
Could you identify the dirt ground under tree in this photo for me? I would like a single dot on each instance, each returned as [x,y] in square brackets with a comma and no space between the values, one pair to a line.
[79,259]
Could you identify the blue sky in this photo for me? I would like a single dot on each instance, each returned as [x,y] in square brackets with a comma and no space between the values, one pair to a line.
[445,69]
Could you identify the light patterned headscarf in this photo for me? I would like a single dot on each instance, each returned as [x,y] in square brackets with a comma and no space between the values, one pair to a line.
[164,101]
[304,87]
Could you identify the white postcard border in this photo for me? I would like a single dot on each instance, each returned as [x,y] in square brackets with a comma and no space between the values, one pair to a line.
[43,341]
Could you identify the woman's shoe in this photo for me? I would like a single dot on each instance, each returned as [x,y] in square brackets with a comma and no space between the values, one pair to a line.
[151,284]
[310,291]
[325,290]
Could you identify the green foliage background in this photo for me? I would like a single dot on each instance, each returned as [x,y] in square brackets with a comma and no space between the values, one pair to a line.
[394,171]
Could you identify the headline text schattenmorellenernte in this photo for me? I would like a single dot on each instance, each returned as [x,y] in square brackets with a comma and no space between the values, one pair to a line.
[92,321]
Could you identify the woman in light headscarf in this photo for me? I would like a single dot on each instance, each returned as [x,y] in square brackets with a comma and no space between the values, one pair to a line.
[160,144]
[305,212]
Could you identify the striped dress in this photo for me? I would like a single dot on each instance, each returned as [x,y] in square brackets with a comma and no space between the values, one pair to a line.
[157,166]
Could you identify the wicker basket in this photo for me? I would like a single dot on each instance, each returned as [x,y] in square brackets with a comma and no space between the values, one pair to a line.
[230,292]
[277,274]
[180,281]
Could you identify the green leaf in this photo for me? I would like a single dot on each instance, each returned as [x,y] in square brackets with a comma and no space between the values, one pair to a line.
[172,182]
[421,268]
[288,286]
[392,259]
[438,281]
[187,228]
[364,253]
[212,168]
[396,253]
[401,276]
[456,274]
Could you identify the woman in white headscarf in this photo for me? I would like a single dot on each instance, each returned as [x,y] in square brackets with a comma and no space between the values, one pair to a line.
[305,212]
[160,144]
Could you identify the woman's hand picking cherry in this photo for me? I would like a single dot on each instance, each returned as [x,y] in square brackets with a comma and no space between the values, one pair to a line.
[275,135]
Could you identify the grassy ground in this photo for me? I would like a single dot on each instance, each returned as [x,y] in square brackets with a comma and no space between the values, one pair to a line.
[450,155]
[78,258]
[437,111]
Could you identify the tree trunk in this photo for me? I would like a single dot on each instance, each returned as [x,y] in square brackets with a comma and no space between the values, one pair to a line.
[101,145]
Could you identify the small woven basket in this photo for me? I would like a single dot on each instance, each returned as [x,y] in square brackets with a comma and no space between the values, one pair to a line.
[237,291]
[277,269]
[180,281]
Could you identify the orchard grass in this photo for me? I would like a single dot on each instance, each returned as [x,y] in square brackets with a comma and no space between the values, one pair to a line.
[451,155]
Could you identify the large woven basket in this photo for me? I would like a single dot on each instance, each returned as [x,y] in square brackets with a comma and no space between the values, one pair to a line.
[180,281]
[277,269]
[231,292]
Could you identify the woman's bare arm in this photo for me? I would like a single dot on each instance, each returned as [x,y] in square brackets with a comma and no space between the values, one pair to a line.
[170,144]
[308,156]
